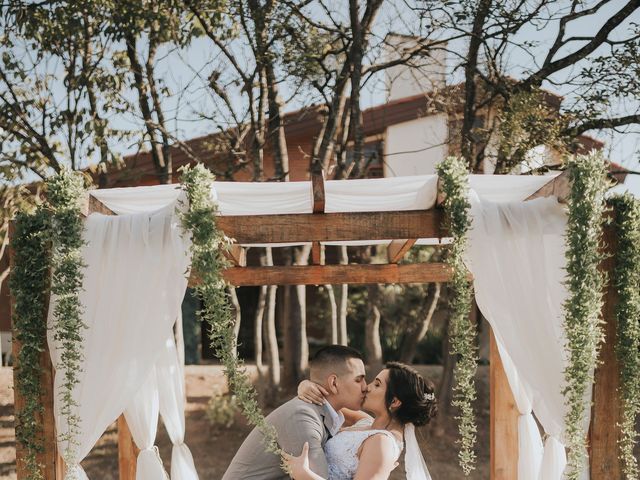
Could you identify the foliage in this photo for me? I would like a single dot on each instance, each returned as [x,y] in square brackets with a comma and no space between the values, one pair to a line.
[29,287]
[582,309]
[222,409]
[626,278]
[64,195]
[526,122]
[454,176]
[207,263]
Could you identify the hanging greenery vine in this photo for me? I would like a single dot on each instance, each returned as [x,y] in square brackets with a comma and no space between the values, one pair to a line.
[453,174]
[626,279]
[29,286]
[207,263]
[582,309]
[65,193]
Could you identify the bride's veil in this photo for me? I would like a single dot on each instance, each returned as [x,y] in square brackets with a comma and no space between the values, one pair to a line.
[414,464]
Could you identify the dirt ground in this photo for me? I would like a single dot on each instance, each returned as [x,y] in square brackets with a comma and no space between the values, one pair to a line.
[213,447]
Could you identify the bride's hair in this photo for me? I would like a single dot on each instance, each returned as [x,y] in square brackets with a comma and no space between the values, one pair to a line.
[416,394]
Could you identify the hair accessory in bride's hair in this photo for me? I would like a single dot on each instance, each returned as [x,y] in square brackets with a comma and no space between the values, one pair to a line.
[430,396]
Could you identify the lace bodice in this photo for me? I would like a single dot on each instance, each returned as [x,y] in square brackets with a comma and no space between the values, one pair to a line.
[342,450]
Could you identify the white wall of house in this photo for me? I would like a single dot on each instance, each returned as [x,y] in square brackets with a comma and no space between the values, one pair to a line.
[415,147]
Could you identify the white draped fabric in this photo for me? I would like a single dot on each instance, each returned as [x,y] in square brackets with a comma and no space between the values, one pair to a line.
[516,255]
[133,287]
[366,195]
[170,379]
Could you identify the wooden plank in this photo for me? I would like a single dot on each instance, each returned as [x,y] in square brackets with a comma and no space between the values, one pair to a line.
[398,248]
[96,206]
[326,227]
[127,451]
[317,253]
[49,458]
[559,187]
[338,274]
[317,188]
[503,419]
[604,432]
[236,255]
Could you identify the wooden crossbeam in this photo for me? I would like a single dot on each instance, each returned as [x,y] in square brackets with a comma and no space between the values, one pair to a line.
[96,205]
[338,274]
[331,227]
[317,189]
[237,255]
[559,186]
[398,248]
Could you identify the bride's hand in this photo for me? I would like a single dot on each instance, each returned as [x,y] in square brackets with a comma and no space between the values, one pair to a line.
[298,467]
[311,392]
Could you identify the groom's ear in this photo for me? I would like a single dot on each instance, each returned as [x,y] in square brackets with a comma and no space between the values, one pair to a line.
[332,382]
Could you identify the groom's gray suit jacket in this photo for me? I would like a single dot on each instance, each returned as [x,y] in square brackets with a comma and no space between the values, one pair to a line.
[296,422]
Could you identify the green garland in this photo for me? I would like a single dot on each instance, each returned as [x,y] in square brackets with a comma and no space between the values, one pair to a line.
[29,286]
[583,307]
[64,194]
[207,263]
[626,279]
[454,176]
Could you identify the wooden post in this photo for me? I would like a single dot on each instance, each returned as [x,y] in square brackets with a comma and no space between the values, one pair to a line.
[604,432]
[127,451]
[503,420]
[49,458]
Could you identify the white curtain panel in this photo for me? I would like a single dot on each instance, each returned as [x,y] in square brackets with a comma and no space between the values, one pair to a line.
[170,374]
[516,255]
[133,287]
[142,418]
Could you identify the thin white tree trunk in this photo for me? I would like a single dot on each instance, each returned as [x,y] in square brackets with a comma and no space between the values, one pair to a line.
[272,338]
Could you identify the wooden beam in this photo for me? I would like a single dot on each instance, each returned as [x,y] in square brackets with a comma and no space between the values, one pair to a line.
[127,451]
[236,255]
[317,253]
[338,274]
[96,205]
[317,188]
[49,459]
[503,419]
[559,187]
[331,227]
[398,248]
[604,432]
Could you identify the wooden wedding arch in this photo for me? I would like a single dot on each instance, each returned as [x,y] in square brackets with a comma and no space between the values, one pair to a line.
[403,228]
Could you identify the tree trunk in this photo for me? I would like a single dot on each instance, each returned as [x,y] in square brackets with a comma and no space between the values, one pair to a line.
[445,387]
[411,340]
[333,333]
[373,345]
[272,339]
[236,326]
[257,330]
[343,338]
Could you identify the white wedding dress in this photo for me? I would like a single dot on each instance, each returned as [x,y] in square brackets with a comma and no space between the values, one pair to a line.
[342,449]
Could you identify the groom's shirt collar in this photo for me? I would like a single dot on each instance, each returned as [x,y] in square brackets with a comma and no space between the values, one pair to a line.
[333,420]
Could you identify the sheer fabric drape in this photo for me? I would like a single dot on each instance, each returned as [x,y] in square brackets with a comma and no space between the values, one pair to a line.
[135,279]
[516,255]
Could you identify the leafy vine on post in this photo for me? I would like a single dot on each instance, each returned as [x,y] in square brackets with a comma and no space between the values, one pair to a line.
[583,307]
[207,263]
[29,286]
[65,193]
[626,279]
[453,174]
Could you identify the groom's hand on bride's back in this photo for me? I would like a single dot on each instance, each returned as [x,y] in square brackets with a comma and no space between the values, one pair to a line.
[311,392]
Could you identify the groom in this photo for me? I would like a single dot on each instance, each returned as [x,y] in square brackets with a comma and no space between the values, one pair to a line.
[340,370]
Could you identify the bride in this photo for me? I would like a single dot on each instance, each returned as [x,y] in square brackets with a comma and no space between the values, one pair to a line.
[399,399]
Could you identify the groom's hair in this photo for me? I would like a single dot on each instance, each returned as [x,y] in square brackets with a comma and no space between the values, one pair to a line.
[332,359]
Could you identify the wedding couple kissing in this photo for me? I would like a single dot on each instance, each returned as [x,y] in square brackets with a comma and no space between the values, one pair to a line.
[327,433]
